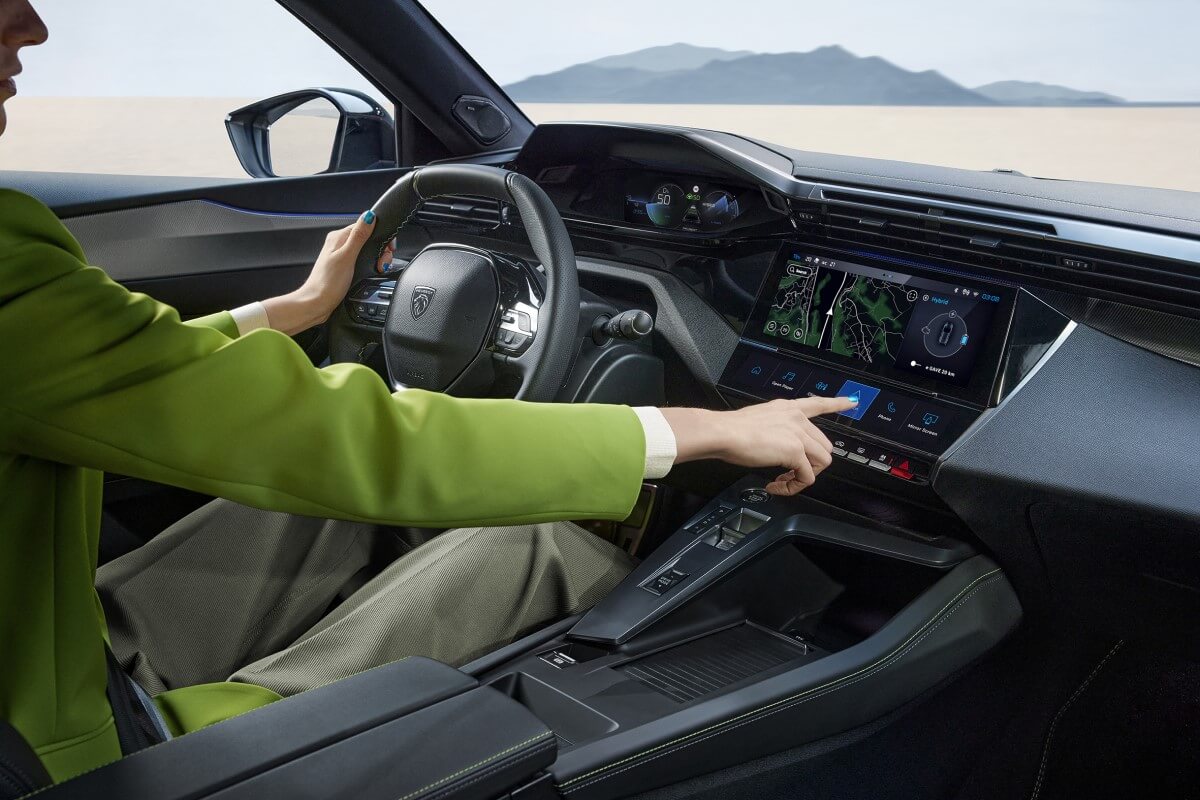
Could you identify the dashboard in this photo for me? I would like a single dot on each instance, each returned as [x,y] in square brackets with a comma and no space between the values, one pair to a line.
[1018,348]
[929,309]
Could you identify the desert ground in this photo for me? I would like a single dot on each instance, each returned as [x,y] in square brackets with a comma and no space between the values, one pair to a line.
[186,136]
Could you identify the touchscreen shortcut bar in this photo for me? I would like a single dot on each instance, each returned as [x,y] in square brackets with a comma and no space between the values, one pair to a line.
[865,395]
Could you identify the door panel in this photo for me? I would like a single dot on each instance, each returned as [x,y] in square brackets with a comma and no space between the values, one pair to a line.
[195,237]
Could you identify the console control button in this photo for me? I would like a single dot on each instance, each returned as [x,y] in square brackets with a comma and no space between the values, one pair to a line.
[787,379]
[909,468]
[886,415]
[842,445]
[666,581]
[755,496]
[860,392]
[929,427]
[557,659]
[713,518]
[858,458]
[879,466]
[821,383]
[884,458]
[754,371]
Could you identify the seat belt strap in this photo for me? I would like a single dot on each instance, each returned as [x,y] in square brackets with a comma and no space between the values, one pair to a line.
[138,723]
[21,771]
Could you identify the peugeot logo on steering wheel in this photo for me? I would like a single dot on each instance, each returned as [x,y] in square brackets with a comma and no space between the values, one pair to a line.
[422,296]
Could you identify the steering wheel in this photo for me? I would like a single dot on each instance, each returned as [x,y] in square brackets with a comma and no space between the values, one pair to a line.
[460,317]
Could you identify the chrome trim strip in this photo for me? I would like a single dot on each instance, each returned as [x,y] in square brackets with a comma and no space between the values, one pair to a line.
[983,418]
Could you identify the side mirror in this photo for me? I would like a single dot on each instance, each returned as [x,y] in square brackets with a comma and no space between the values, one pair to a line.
[312,131]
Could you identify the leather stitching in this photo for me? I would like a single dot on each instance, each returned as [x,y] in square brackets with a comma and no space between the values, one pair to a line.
[810,694]
[497,767]
[475,766]
[1037,787]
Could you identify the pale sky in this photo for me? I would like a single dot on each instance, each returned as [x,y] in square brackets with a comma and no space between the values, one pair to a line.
[1138,49]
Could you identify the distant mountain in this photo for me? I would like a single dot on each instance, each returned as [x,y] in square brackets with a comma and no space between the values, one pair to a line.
[825,76]
[1044,94]
[668,58]
[683,73]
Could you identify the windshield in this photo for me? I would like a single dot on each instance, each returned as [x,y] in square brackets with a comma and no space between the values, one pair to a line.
[1097,90]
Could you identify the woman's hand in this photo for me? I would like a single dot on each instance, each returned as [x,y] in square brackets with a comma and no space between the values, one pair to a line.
[328,283]
[774,434]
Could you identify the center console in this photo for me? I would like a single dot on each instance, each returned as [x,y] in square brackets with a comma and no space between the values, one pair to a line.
[762,624]
[920,348]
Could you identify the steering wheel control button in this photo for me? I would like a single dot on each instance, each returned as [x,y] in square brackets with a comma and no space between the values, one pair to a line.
[755,496]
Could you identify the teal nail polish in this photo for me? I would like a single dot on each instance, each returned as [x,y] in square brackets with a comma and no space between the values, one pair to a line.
[369,217]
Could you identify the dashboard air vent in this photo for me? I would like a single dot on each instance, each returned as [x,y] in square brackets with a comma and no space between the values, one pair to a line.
[1023,248]
[459,211]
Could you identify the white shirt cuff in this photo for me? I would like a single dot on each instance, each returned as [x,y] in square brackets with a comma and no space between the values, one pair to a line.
[250,318]
[660,441]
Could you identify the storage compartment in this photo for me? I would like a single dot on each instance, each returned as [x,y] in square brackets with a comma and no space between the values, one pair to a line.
[795,603]
[570,719]
[711,663]
[862,592]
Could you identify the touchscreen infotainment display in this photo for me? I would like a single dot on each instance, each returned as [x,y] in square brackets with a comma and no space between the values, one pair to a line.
[881,319]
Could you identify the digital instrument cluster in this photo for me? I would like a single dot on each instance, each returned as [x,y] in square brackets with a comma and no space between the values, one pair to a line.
[681,204]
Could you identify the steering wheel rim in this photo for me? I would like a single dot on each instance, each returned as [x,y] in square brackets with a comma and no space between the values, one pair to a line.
[543,366]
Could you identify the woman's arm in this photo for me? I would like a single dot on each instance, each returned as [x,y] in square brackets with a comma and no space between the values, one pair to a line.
[309,305]
[114,381]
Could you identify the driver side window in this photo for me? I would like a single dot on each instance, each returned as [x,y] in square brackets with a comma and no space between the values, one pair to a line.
[143,87]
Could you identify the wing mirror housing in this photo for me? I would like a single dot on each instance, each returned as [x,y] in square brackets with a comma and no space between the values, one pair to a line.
[311,132]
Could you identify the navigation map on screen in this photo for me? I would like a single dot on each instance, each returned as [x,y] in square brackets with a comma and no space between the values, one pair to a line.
[885,319]
[853,315]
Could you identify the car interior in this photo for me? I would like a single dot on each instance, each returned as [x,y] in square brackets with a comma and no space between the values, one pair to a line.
[992,593]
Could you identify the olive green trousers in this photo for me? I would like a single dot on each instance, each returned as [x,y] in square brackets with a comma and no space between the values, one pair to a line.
[237,593]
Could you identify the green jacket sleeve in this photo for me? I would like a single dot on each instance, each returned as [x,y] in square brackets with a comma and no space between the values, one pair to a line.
[98,377]
[221,321]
